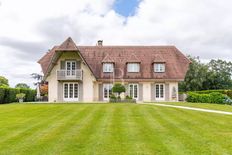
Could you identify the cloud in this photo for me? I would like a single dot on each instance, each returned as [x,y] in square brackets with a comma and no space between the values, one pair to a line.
[30,28]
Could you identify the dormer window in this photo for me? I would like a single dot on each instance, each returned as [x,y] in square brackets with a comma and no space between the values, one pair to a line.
[108,67]
[159,67]
[133,67]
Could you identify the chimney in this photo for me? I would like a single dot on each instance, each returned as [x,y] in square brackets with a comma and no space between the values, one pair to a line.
[100,43]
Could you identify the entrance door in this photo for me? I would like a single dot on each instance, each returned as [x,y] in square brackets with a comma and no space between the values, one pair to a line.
[71,91]
[133,91]
[70,68]
[159,92]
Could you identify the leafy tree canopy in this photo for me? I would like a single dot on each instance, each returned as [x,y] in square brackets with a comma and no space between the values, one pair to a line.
[22,85]
[205,76]
[4,81]
[118,88]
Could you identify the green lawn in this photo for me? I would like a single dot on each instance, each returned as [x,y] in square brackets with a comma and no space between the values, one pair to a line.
[110,129]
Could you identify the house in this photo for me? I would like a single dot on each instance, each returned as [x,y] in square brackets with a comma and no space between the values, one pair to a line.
[87,73]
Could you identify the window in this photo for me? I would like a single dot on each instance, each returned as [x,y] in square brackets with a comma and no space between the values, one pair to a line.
[133,67]
[159,68]
[108,67]
[159,91]
[70,68]
[71,91]
[107,91]
[133,90]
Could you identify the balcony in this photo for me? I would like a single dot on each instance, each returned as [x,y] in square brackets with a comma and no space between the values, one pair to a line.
[69,74]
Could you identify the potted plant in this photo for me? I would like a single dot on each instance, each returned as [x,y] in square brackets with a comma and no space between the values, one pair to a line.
[20,97]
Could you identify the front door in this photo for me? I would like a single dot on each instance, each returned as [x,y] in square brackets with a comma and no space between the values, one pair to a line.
[71,92]
[133,91]
[70,68]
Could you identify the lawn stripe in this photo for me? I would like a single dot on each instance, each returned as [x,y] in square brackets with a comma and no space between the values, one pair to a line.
[24,126]
[115,140]
[209,122]
[80,138]
[31,132]
[97,143]
[20,117]
[191,138]
[150,140]
[172,144]
[49,141]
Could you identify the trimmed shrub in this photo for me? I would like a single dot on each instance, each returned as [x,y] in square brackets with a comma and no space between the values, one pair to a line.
[214,97]
[2,94]
[8,95]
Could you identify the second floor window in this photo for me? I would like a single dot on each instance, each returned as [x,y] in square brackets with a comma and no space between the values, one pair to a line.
[159,68]
[108,67]
[133,67]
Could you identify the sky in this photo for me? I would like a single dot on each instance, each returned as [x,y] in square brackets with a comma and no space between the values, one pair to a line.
[29,28]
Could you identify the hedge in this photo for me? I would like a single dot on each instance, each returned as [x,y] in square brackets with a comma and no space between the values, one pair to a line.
[225,92]
[214,97]
[8,95]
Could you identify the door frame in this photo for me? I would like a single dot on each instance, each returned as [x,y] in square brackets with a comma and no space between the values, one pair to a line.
[133,90]
[66,68]
[163,98]
[108,93]
[78,93]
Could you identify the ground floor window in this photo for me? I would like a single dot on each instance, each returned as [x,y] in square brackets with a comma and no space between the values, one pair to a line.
[107,91]
[71,91]
[159,91]
[133,90]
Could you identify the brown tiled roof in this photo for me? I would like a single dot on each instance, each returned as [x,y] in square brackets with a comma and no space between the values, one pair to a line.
[68,45]
[176,63]
[47,58]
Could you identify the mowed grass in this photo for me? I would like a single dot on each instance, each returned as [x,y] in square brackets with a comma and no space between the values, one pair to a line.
[111,129]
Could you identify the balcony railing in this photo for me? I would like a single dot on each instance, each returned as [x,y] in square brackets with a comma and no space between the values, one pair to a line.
[69,74]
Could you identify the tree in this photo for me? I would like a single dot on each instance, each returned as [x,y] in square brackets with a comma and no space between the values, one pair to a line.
[37,77]
[219,75]
[22,85]
[44,89]
[213,75]
[195,76]
[4,81]
[118,88]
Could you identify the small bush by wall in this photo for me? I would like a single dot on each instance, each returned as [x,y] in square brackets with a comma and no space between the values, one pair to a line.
[8,95]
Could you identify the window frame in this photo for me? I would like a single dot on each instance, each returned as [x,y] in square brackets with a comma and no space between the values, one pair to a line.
[75,92]
[107,86]
[159,98]
[106,69]
[157,67]
[133,70]
[133,90]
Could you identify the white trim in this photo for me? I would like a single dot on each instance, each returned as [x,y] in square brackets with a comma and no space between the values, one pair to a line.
[159,98]
[108,68]
[72,73]
[108,92]
[78,93]
[133,67]
[133,90]
[158,67]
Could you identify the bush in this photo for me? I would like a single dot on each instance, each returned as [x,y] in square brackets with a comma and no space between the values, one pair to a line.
[8,95]
[20,96]
[2,94]
[128,97]
[214,97]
